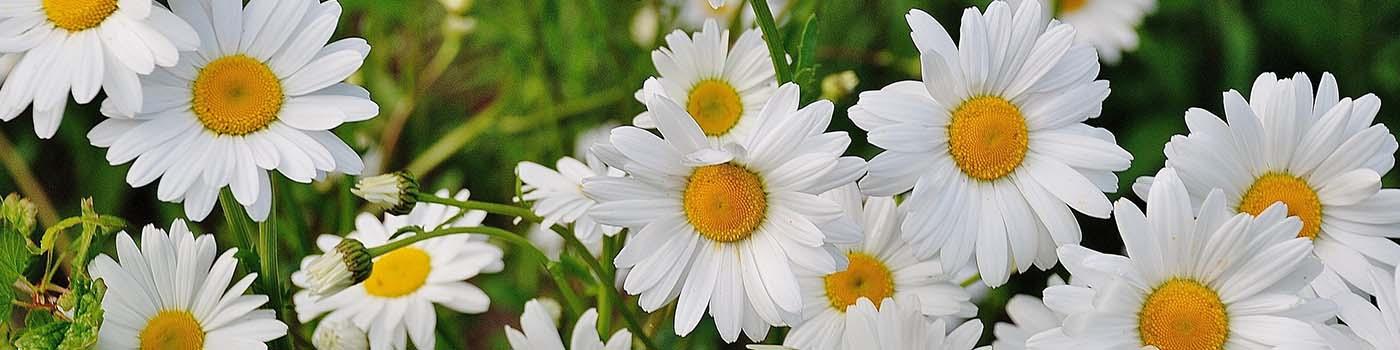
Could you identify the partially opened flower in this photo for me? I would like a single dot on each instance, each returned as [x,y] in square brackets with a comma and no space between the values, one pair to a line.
[172,293]
[992,141]
[1109,25]
[558,194]
[1207,279]
[694,13]
[879,266]
[262,93]
[339,335]
[540,332]
[1317,153]
[722,228]
[396,302]
[63,47]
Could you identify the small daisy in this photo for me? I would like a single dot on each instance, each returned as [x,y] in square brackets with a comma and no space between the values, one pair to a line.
[396,303]
[992,141]
[558,195]
[733,220]
[171,293]
[722,88]
[880,266]
[339,335]
[1213,280]
[81,47]
[1030,316]
[1317,153]
[900,326]
[541,334]
[262,93]
[1109,25]
[694,13]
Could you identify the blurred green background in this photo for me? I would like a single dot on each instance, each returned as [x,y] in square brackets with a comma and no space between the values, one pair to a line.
[468,91]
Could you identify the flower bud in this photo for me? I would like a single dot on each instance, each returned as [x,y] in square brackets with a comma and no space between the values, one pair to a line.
[392,191]
[347,265]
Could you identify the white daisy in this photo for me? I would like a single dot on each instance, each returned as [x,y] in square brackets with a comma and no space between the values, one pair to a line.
[558,196]
[880,266]
[1318,154]
[900,326]
[396,302]
[1109,25]
[1204,281]
[261,93]
[722,88]
[734,220]
[1030,316]
[992,141]
[694,13]
[339,335]
[171,293]
[81,47]
[541,334]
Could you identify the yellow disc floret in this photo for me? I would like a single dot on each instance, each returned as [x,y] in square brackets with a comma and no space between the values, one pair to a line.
[78,15]
[725,202]
[1183,314]
[399,273]
[236,95]
[172,330]
[715,105]
[987,137]
[865,276]
[1301,199]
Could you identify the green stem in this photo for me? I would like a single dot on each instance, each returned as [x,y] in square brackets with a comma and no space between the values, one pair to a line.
[604,275]
[970,280]
[571,301]
[774,39]
[265,245]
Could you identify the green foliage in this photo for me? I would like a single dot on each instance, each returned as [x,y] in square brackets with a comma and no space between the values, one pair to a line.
[16,221]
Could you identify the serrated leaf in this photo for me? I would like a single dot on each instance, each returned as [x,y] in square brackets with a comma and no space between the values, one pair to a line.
[38,318]
[46,337]
[87,315]
[14,259]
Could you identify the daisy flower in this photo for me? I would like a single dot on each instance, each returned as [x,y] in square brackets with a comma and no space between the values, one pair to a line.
[879,266]
[722,88]
[339,335]
[261,93]
[541,334]
[172,293]
[900,326]
[558,195]
[992,141]
[81,47]
[1030,316]
[735,220]
[1109,25]
[694,13]
[1317,153]
[1212,280]
[396,303]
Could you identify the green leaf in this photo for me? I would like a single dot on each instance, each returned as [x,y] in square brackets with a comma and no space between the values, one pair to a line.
[87,315]
[38,319]
[806,66]
[46,337]
[14,254]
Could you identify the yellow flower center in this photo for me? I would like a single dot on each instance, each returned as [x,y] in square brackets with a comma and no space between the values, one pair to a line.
[1069,6]
[78,15]
[1281,187]
[864,277]
[1183,314]
[987,137]
[725,202]
[236,95]
[172,330]
[399,273]
[715,105]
